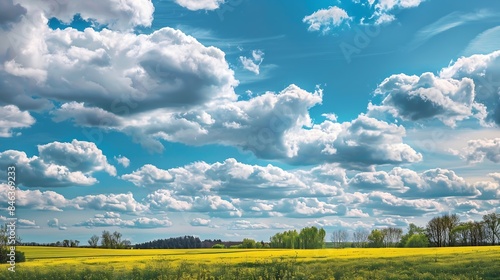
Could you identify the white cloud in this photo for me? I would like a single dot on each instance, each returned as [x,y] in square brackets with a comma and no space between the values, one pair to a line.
[305,208]
[417,98]
[481,149]
[195,5]
[212,205]
[246,225]
[77,156]
[52,201]
[484,71]
[389,204]
[21,223]
[383,9]
[234,179]
[431,183]
[13,118]
[124,161]
[124,202]
[122,15]
[388,5]
[148,176]
[111,219]
[35,172]
[253,64]
[278,126]
[200,222]
[118,72]
[324,19]
[54,223]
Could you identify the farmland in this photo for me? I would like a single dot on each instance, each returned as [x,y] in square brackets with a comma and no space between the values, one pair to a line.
[352,263]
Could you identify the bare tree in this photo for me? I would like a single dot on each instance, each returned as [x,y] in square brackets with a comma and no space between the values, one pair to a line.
[434,230]
[492,222]
[360,237]
[339,237]
[440,230]
[449,223]
[392,236]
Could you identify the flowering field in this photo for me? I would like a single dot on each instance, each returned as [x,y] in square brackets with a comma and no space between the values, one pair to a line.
[351,263]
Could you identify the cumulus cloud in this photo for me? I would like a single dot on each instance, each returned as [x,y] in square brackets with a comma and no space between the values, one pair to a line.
[77,156]
[124,161]
[54,223]
[59,164]
[324,19]
[484,71]
[85,116]
[388,5]
[34,172]
[107,71]
[110,219]
[21,223]
[391,222]
[124,202]
[467,88]
[305,208]
[378,180]
[246,225]
[195,5]
[13,118]
[212,205]
[122,15]
[238,180]
[481,149]
[53,201]
[489,190]
[385,203]
[136,84]
[384,9]
[278,126]
[417,98]
[200,222]
[148,176]
[433,183]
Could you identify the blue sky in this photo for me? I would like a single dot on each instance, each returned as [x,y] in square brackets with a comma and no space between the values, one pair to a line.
[239,119]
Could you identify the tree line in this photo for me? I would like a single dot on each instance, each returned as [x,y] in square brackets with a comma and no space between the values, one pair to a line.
[441,231]
[307,238]
[184,242]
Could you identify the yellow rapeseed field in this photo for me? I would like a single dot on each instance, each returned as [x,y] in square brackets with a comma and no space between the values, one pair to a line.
[121,260]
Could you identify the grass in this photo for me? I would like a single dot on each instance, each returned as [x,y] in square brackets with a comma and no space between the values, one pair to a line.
[386,263]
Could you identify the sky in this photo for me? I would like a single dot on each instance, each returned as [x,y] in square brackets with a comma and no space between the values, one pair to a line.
[239,119]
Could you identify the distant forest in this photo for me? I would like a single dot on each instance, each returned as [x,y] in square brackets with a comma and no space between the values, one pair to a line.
[442,231]
[185,242]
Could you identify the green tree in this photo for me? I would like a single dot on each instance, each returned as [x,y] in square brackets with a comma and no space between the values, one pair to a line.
[412,229]
[417,240]
[248,243]
[6,246]
[93,241]
[106,239]
[376,238]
